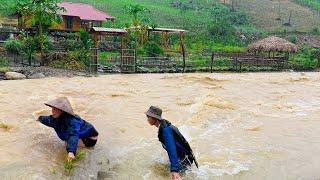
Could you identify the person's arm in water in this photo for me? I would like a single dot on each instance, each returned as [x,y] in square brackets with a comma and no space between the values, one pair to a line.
[47,120]
[73,138]
[172,152]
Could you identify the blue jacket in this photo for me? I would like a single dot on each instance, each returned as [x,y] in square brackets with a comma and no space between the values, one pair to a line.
[70,129]
[169,136]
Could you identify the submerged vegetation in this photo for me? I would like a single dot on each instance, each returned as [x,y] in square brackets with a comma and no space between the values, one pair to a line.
[69,165]
[5,126]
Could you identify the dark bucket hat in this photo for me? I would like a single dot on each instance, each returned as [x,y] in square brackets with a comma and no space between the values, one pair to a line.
[154,112]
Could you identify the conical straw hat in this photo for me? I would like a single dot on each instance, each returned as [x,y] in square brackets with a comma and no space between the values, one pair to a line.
[61,103]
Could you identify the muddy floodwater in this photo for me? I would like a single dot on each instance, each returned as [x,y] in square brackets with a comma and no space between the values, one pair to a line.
[241,126]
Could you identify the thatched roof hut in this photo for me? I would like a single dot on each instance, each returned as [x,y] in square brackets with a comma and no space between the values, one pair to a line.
[272,44]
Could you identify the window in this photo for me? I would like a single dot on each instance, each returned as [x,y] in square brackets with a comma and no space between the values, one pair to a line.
[96,24]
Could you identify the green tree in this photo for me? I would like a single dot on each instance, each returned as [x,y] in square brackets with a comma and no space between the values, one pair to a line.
[139,22]
[29,47]
[86,41]
[84,52]
[224,23]
[135,11]
[41,14]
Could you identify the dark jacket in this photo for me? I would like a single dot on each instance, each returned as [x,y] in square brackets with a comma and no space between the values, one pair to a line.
[174,143]
[70,129]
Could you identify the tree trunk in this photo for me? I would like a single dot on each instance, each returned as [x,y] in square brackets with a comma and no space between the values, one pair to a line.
[29,58]
[41,44]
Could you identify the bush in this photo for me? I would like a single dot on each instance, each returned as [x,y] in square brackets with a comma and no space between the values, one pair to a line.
[153,49]
[86,41]
[60,64]
[76,65]
[4,69]
[68,64]
[141,51]
[13,46]
[223,62]
[306,58]
[316,30]
[4,62]
[83,56]
[248,34]
[293,38]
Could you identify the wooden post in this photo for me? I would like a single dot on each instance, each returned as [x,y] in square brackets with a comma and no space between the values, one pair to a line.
[166,39]
[94,52]
[183,51]
[212,59]
[142,37]
[162,39]
[135,61]
[184,58]
[122,42]
[121,59]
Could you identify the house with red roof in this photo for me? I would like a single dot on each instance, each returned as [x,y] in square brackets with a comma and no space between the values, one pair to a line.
[76,16]
[79,15]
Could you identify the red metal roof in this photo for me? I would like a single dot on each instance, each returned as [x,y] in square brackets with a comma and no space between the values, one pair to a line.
[83,11]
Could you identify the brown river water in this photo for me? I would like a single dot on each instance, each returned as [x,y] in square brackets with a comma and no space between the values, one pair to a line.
[241,126]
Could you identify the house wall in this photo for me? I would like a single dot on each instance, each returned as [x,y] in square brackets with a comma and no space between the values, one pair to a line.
[77,25]
[24,23]
[62,26]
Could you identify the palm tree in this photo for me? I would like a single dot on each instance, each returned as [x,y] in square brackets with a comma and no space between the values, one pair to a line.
[140,28]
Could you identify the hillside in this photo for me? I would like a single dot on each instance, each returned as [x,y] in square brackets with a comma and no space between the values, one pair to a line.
[270,15]
[197,17]
[160,12]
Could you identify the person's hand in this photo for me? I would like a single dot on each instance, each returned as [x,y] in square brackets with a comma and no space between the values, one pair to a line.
[175,176]
[70,157]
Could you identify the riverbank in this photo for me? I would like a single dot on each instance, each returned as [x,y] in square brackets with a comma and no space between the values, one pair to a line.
[42,72]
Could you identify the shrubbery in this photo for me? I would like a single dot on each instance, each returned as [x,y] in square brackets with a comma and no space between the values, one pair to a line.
[306,58]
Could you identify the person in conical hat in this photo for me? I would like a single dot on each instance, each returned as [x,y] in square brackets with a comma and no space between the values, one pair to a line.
[68,126]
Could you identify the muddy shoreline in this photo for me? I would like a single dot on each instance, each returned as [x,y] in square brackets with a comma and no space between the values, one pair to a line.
[42,72]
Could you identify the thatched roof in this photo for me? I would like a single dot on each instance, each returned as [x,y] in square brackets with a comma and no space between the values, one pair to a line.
[273,44]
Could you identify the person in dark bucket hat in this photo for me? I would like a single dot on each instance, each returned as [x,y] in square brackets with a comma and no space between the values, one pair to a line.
[68,126]
[179,151]
[154,112]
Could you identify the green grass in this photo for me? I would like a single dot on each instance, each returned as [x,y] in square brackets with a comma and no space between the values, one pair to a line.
[313,4]
[160,12]
[306,58]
